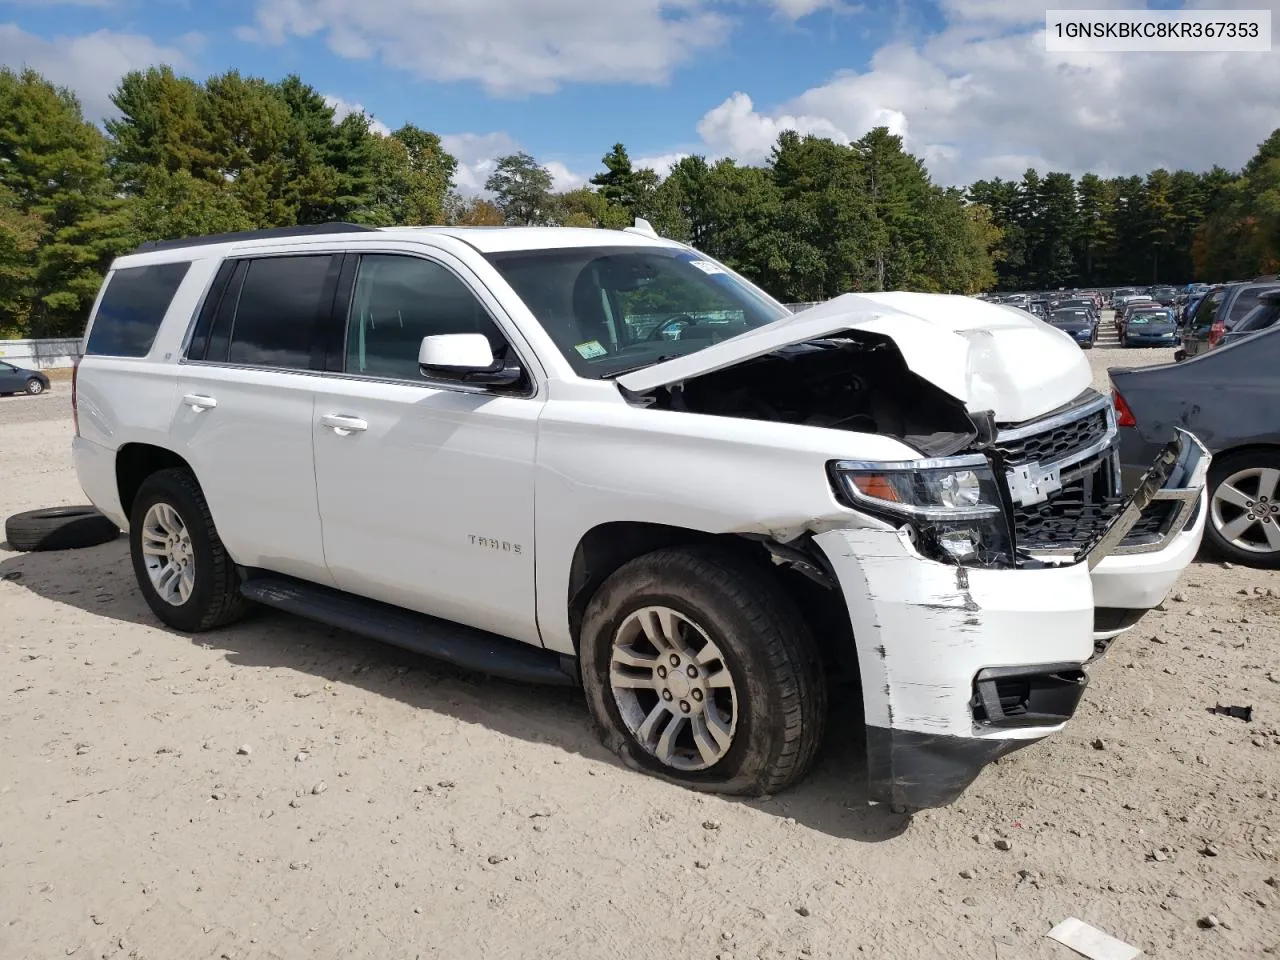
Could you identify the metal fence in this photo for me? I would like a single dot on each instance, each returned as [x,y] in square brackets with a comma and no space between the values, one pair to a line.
[40,354]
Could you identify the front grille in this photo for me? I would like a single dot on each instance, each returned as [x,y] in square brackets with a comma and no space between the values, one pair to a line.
[1081,511]
[1058,443]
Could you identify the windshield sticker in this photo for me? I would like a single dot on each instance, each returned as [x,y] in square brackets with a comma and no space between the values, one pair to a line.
[590,350]
[706,266]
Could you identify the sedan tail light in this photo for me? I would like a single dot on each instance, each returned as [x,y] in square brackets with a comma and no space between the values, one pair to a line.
[1124,416]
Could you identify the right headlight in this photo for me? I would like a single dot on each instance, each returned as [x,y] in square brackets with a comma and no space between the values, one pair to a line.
[952,506]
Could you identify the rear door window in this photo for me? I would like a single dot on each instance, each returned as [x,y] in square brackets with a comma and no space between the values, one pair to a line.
[1244,303]
[132,308]
[1261,317]
[278,309]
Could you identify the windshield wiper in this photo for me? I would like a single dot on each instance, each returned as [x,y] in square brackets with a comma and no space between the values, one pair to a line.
[640,366]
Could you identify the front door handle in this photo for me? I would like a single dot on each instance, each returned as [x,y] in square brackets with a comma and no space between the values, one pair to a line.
[198,403]
[343,426]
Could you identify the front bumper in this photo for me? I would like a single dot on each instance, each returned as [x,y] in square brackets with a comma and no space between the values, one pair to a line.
[1170,341]
[936,643]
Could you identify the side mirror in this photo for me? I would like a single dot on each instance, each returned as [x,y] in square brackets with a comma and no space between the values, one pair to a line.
[465,358]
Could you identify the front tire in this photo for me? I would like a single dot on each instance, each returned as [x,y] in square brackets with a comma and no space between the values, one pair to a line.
[1243,525]
[699,669]
[34,387]
[182,568]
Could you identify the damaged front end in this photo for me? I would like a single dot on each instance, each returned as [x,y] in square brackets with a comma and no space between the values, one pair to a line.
[969,572]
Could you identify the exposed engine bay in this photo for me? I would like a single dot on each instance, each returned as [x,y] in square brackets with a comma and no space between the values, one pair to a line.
[858,382]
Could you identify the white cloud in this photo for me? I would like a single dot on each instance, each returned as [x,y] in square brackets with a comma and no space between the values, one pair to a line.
[477,155]
[512,47]
[516,47]
[342,109]
[92,64]
[562,178]
[988,100]
[660,164]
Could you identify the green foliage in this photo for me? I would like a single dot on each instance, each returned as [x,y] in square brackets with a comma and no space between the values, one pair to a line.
[523,190]
[185,157]
[1241,238]
[56,202]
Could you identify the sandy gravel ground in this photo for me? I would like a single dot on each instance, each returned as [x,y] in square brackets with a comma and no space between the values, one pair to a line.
[281,790]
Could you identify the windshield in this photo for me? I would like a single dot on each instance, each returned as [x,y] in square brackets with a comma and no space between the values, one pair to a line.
[1151,316]
[615,309]
[1069,316]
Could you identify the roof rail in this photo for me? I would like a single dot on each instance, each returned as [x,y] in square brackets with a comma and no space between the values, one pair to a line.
[272,233]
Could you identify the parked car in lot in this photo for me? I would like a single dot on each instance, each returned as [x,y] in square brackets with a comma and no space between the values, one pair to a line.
[1228,398]
[1220,311]
[1132,309]
[1261,317]
[15,379]
[1077,322]
[1150,328]
[478,444]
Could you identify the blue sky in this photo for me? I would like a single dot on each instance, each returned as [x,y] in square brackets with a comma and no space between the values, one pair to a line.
[968,83]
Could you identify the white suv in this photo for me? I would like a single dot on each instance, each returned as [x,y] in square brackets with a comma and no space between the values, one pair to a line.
[596,456]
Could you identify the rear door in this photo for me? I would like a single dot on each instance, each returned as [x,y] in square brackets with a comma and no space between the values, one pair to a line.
[245,406]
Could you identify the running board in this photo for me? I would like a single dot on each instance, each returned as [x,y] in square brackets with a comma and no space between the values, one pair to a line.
[453,643]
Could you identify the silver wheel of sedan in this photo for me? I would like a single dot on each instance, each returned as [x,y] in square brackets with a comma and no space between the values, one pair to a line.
[167,554]
[673,689]
[1245,512]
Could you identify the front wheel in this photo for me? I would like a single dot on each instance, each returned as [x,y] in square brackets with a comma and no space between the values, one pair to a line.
[182,568]
[698,668]
[34,387]
[1244,514]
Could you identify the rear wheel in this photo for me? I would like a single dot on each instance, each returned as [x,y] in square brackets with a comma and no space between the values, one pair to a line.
[182,568]
[699,669]
[1244,512]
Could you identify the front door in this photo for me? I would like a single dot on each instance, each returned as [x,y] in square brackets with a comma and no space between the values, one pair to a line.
[425,489]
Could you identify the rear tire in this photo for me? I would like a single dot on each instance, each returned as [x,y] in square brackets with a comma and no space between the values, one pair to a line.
[213,597]
[758,689]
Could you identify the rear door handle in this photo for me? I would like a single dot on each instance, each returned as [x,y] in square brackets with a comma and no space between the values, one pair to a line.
[199,403]
[343,426]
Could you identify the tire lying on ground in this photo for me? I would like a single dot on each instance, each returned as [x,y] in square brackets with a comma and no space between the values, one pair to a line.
[59,528]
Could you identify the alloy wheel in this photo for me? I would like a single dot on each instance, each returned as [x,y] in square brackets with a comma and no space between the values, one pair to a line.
[673,689]
[1245,512]
[167,554]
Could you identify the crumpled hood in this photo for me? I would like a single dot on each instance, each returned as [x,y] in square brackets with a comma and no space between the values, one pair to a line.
[988,356]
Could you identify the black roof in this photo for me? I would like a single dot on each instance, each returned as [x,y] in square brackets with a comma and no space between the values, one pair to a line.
[273,233]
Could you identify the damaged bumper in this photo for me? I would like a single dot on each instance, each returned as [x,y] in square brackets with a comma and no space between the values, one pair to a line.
[961,666]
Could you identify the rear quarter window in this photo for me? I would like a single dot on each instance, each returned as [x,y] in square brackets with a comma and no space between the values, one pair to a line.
[132,308]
